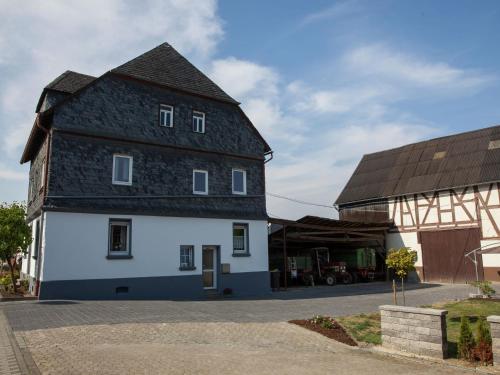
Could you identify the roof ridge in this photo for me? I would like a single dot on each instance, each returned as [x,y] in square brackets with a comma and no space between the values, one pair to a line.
[432,139]
[165,66]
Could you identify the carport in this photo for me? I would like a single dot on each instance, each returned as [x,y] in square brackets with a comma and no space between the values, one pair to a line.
[289,239]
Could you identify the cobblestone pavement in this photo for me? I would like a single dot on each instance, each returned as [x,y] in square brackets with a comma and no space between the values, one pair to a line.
[8,361]
[206,348]
[203,337]
[282,306]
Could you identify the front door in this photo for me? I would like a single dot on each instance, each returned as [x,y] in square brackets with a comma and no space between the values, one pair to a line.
[209,267]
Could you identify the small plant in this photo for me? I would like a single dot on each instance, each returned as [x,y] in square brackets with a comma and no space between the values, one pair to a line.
[483,351]
[25,284]
[466,342]
[485,287]
[402,261]
[323,321]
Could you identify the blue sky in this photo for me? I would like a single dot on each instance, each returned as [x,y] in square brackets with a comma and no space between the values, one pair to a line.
[324,81]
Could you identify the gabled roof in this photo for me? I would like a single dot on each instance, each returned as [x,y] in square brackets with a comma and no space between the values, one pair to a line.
[162,66]
[69,82]
[441,163]
[165,66]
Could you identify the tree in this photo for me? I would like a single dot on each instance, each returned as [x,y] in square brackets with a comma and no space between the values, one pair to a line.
[466,340]
[15,235]
[402,261]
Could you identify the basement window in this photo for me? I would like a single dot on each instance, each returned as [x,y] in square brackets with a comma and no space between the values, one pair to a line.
[494,144]
[439,155]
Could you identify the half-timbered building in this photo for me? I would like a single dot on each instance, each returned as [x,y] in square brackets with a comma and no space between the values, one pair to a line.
[443,198]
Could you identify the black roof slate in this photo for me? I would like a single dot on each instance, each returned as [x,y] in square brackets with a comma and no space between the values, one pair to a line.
[163,65]
[413,168]
[70,82]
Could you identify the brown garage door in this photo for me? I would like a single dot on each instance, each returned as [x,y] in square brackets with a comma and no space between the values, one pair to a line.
[443,255]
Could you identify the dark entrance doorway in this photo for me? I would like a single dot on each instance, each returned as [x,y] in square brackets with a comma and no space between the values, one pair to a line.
[443,255]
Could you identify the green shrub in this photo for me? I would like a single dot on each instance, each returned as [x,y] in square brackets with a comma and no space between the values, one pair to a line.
[25,284]
[466,342]
[6,280]
[483,332]
[485,287]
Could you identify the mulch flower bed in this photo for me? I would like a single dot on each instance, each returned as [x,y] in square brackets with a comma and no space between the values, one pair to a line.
[327,327]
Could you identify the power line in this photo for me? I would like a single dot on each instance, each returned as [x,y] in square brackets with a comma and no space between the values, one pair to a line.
[298,200]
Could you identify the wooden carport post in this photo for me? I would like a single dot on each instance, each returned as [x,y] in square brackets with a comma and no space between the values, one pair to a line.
[285,258]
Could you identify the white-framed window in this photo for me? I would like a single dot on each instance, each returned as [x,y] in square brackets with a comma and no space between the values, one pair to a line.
[166,115]
[198,122]
[200,182]
[42,179]
[240,238]
[122,169]
[119,237]
[239,181]
[187,257]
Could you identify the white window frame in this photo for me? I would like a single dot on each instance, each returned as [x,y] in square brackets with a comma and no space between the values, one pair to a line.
[119,222]
[244,192]
[116,182]
[190,256]
[167,109]
[246,239]
[206,182]
[199,115]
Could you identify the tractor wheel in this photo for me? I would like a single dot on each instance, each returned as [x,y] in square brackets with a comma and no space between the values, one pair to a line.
[346,278]
[330,279]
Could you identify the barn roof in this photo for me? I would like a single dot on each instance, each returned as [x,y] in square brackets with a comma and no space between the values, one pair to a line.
[441,163]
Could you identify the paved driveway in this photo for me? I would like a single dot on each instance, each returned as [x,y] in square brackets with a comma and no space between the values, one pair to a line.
[281,306]
[216,336]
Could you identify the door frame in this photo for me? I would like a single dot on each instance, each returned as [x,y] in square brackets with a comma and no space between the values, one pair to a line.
[217,267]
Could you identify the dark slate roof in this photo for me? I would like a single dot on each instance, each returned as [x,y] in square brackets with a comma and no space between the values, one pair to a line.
[70,82]
[67,83]
[417,167]
[165,66]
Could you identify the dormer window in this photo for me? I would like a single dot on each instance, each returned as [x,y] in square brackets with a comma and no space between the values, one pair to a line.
[198,122]
[439,155]
[166,115]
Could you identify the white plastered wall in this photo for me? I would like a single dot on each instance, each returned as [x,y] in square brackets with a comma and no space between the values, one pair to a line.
[77,246]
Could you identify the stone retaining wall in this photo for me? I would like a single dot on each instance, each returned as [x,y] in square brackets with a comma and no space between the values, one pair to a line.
[415,330]
[494,321]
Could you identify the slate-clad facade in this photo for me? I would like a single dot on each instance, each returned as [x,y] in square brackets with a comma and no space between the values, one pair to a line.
[82,124]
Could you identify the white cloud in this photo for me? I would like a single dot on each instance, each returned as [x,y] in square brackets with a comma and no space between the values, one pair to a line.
[241,78]
[383,63]
[340,9]
[8,174]
[39,41]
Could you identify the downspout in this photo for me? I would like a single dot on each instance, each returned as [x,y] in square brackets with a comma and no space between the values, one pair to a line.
[40,241]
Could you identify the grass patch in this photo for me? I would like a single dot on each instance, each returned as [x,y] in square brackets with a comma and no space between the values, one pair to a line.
[473,308]
[363,327]
[366,327]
